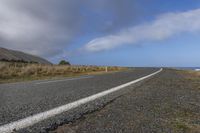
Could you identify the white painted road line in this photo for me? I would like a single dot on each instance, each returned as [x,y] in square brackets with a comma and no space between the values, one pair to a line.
[61,80]
[31,120]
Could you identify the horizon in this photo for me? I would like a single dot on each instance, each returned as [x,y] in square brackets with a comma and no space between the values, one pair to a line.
[143,33]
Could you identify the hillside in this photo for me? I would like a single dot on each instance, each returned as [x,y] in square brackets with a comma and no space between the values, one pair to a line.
[17,56]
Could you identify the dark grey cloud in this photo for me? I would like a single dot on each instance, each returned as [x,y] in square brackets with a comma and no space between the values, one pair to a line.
[40,27]
[47,27]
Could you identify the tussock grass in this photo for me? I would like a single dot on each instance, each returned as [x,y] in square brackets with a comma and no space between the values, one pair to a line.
[192,76]
[11,72]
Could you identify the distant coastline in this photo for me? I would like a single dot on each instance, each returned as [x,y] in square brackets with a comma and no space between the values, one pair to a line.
[189,68]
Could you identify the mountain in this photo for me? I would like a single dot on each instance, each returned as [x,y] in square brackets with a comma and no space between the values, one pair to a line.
[17,56]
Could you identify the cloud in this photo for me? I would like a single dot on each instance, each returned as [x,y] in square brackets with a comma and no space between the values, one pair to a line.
[38,27]
[163,27]
[47,27]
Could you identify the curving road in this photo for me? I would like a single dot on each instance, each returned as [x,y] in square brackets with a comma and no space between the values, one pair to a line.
[20,100]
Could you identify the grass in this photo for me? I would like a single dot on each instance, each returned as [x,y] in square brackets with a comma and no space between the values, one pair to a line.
[186,119]
[14,72]
[183,121]
[181,126]
[192,76]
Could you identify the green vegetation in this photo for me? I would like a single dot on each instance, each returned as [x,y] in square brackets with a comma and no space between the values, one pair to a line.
[12,72]
[181,126]
[64,62]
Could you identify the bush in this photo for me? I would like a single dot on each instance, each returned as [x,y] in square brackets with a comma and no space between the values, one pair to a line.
[63,62]
[21,71]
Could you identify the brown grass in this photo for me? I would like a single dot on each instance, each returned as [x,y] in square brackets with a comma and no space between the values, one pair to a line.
[192,76]
[12,72]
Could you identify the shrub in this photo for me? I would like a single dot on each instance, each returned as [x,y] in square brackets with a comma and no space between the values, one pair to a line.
[64,62]
[15,71]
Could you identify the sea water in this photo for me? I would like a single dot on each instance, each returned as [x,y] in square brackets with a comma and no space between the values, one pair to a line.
[189,68]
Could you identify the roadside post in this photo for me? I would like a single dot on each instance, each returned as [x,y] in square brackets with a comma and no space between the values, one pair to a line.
[106,69]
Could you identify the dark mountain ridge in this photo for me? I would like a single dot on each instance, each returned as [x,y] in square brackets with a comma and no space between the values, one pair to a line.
[18,56]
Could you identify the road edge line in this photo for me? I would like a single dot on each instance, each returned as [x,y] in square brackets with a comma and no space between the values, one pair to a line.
[31,120]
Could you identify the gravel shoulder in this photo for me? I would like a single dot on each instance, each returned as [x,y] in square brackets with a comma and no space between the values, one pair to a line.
[169,102]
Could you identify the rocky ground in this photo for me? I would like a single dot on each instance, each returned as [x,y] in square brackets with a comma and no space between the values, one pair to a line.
[169,102]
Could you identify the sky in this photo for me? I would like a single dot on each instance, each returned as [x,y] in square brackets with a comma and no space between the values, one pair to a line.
[138,33]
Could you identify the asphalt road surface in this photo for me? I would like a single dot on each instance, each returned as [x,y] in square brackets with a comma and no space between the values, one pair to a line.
[20,100]
[167,103]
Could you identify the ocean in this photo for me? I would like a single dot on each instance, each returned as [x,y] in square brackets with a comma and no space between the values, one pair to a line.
[189,68]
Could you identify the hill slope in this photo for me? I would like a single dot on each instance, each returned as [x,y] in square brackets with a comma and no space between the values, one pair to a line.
[12,55]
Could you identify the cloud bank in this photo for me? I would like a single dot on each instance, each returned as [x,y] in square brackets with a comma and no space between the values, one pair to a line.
[37,27]
[47,27]
[165,26]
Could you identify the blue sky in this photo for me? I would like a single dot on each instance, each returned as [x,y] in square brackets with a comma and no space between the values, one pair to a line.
[102,32]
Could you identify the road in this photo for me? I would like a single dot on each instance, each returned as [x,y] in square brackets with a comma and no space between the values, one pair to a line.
[21,100]
[167,103]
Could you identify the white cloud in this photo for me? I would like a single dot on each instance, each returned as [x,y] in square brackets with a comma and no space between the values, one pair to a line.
[47,27]
[163,27]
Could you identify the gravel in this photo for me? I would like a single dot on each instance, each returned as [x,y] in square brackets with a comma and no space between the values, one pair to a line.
[169,102]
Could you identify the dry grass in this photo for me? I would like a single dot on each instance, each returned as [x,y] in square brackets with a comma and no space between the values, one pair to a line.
[12,72]
[192,76]
[192,72]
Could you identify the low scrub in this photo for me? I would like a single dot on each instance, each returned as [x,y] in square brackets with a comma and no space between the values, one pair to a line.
[24,71]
